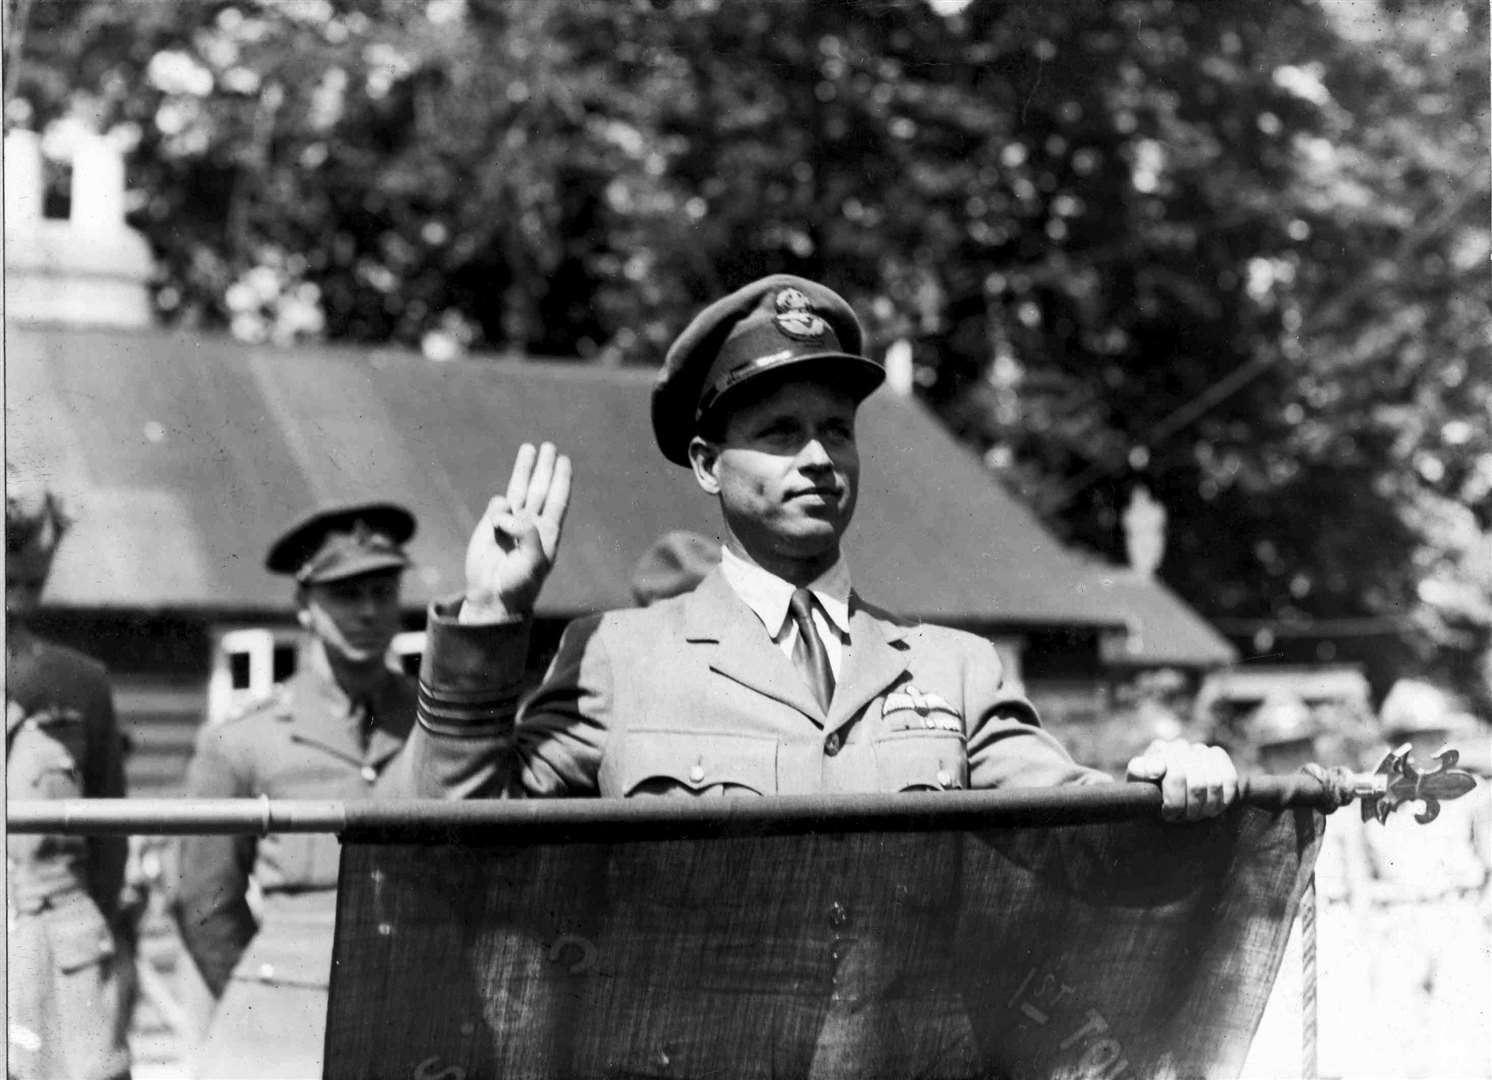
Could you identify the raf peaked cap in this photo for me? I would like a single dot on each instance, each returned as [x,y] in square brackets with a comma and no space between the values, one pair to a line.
[771,325]
[343,542]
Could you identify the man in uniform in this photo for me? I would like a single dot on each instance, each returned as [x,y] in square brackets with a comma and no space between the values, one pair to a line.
[332,731]
[70,965]
[772,676]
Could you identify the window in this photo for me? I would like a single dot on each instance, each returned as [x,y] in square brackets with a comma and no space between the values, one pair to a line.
[247,663]
[408,648]
[239,668]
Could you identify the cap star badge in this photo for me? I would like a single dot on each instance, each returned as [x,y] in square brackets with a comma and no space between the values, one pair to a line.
[792,300]
[796,319]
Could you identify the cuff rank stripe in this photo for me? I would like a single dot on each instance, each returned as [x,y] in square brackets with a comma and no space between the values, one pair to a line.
[460,712]
[457,731]
[483,696]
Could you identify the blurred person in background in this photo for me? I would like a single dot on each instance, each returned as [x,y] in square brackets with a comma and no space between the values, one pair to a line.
[70,962]
[332,731]
[1449,860]
[1425,906]
[1281,735]
[1151,707]
[675,563]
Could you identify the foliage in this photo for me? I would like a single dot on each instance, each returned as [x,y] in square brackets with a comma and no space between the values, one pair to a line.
[1236,251]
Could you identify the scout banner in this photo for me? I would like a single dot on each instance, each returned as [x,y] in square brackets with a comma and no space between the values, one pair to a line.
[1122,951]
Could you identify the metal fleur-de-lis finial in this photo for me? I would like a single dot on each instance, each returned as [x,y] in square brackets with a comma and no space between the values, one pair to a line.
[1398,780]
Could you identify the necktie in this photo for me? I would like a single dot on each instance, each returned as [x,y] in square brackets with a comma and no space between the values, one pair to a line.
[363,714]
[809,652]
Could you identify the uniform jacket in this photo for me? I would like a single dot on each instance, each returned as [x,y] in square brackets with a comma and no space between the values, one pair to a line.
[690,696]
[62,742]
[302,742]
[70,968]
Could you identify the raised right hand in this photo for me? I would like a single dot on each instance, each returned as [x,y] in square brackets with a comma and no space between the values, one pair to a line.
[513,547]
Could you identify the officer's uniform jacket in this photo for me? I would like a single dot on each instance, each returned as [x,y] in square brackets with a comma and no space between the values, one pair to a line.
[302,742]
[690,696]
[69,966]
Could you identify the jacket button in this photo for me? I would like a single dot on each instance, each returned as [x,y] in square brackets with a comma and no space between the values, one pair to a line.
[838,915]
[832,744]
[370,774]
[266,971]
[945,778]
[696,774]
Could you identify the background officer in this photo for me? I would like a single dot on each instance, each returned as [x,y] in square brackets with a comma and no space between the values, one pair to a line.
[330,732]
[672,565]
[70,970]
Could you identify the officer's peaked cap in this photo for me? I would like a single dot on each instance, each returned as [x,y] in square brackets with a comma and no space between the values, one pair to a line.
[341,542]
[778,323]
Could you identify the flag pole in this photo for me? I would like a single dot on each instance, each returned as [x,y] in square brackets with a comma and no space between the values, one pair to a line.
[1308,1056]
[1397,781]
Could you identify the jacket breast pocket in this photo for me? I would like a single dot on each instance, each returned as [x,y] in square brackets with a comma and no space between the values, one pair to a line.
[683,879]
[921,761]
[699,763]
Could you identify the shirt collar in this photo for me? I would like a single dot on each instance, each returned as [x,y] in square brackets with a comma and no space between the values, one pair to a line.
[767,594]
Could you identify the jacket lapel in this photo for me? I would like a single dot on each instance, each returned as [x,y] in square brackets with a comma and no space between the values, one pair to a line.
[741,649]
[321,715]
[871,663]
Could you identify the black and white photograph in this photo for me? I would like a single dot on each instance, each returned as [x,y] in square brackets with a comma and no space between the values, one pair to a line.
[748,539]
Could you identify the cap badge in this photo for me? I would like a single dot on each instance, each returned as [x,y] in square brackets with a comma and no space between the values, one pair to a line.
[795,319]
[792,300]
[339,546]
